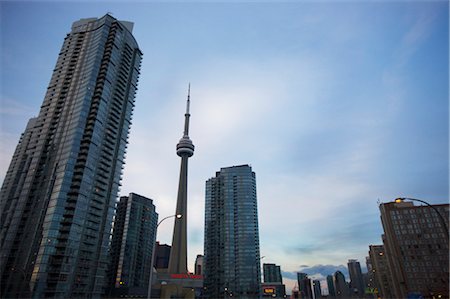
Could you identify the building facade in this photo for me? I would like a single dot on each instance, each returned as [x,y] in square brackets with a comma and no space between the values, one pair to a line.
[341,288]
[272,273]
[232,256]
[330,285]
[132,246]
[416,245]
[273,282]
[304,286]
[198,265]
[162,255]
[356,278]
[380,272]
[60,190]
[317,288]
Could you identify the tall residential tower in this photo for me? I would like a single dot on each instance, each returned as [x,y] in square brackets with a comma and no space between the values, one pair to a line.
[356,278]
[132,246]
[232,258]
[59,193]
[416,244]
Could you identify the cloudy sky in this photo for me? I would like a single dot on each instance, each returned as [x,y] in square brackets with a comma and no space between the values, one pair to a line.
[335,105]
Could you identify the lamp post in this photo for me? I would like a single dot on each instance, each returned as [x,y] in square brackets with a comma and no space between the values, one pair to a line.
[153,253]
[444,224]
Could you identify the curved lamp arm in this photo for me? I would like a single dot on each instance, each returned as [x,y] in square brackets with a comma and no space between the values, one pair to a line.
[402,199]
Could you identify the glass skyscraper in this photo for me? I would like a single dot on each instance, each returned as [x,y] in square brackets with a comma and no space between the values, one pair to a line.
[132,246]
[356,277]
[59,193]
[232,257]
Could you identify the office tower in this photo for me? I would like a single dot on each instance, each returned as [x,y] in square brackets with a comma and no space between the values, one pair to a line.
[330,284]
[304,286]
[232,258]
[59,193]
[381,275]
[273,283]
[317,288]
[272,273]
[132,246]
[199,265]
[356,278]
[340,285]
[162,255]
[416,245]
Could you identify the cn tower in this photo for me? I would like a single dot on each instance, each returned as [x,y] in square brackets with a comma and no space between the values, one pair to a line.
[178,253]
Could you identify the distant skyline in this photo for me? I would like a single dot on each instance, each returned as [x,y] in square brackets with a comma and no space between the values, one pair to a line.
[335,105]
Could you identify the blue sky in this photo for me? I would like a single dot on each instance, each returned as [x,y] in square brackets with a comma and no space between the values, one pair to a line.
[336,105]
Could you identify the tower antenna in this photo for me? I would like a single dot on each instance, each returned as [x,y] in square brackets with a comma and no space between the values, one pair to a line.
[188,98]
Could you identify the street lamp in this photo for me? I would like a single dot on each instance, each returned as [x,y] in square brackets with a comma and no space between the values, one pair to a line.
[178,216]
[444,224]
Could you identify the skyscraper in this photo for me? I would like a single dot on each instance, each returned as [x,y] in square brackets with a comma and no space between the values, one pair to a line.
[317,288]
[330,285]
[132,246]
[304,286]
[232,258]
[60,190]
[340,285]
[416,245]
[382,278]
[356,278]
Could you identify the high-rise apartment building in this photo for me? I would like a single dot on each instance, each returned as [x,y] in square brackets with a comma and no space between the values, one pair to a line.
[60,190]
[132,246]
[232,257]
[304,286]
[416,245]
[330,285]
[381,275]
[317,289]
[341,288]
[356,278]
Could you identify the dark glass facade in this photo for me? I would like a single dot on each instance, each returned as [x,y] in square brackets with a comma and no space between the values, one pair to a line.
[356,278]
[272,273]
[162,256]
[59,194]
[304,286]
[232,256]
[132,246]
[273,282]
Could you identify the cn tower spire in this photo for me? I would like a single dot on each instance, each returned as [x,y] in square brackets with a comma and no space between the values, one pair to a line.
[185,149]
[187,115]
